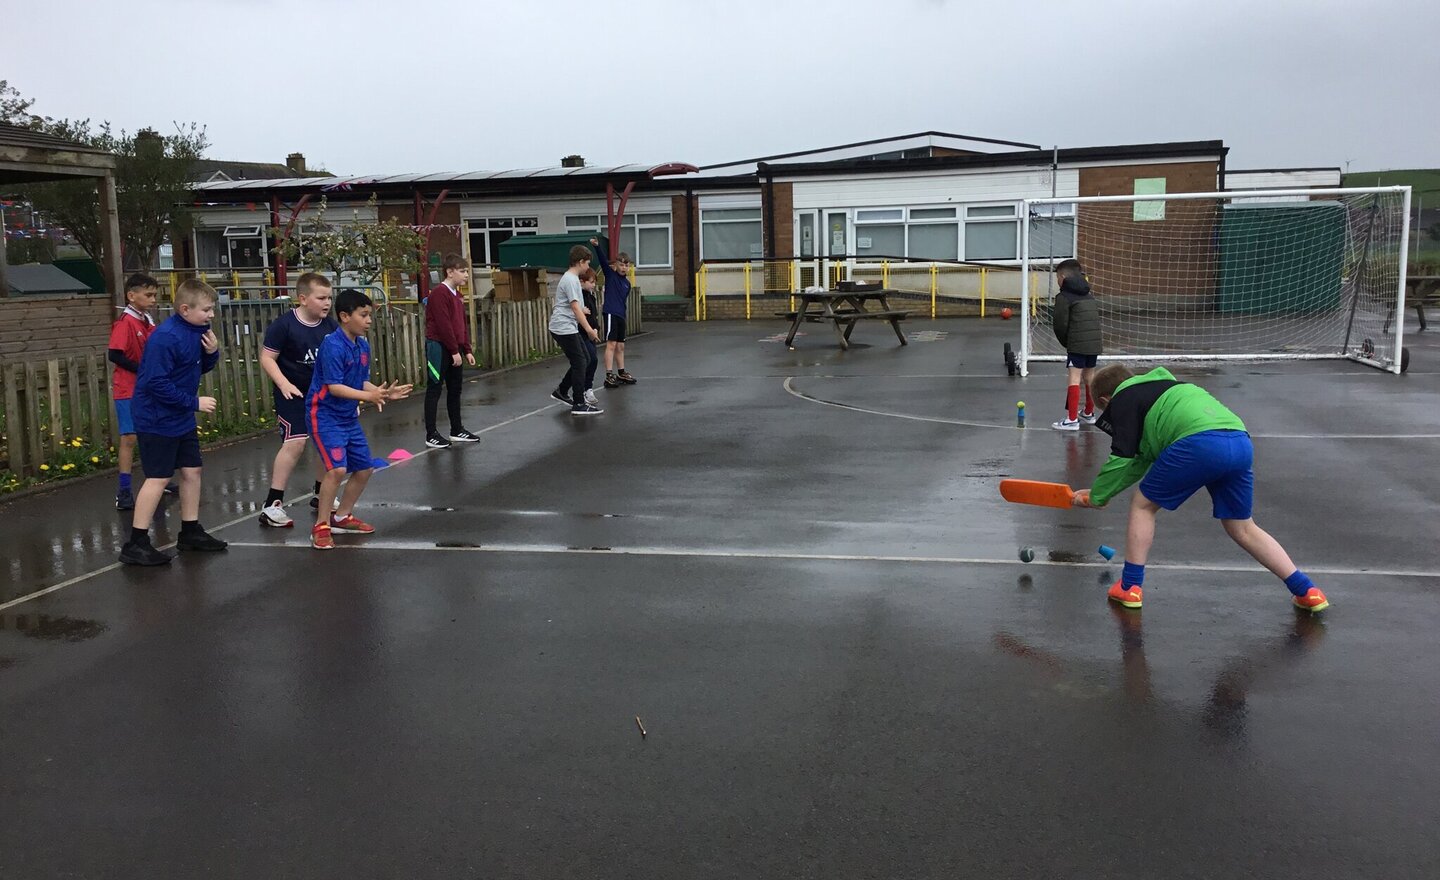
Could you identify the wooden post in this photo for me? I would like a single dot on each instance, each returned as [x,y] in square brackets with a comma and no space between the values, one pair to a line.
[72,395]
[95,377]
[52,391]
[111,264]
[16,417]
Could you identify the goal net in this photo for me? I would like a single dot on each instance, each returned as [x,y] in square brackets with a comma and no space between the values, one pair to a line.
[1239,275]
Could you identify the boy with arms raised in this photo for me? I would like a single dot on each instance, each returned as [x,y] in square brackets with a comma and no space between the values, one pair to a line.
[288,358]
[617,298]
[340,384]
[1179,438]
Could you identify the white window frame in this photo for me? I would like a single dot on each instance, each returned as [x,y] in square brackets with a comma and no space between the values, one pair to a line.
[1062,211]
[758,218]
[632,222]
[483,225]
[1014,220]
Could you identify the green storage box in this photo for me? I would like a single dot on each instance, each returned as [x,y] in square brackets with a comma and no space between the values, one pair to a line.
[546,251]
[1281,257]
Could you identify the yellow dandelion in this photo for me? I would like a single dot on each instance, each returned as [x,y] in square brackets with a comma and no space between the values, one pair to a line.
[76,443]
[44,467]
[94,459]
[67,467]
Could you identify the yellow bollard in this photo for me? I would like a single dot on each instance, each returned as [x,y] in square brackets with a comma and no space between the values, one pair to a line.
[982,291]
[885,274]
[934,287]
[747,291]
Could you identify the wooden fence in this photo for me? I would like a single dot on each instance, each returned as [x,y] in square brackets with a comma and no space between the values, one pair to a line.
[48,403]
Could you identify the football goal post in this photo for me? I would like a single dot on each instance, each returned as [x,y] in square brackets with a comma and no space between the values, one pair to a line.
[1279,274]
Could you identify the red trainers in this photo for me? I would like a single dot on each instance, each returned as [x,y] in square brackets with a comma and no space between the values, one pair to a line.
[1128,598]
[321,539]
[1313,601]
[350,525]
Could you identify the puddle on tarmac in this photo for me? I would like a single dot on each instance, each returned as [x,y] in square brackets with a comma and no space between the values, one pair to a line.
[457,545]
[52,628]
[1067,556]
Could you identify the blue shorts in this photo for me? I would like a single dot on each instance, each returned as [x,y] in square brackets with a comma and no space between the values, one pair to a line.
[1081,361]
[290,417]
[342,445]
[161,455]
[123,420]
[1221,461]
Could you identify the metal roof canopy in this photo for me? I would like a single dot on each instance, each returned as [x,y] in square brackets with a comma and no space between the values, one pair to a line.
[28,156]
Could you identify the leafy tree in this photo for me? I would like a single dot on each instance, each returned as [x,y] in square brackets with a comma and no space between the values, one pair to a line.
[364,251]
[152,180]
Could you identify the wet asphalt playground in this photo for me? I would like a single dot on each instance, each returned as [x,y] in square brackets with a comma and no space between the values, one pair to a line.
[794,569]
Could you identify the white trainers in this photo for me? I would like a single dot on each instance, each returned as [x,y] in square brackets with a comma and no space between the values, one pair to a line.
[1066,425]
[591,399]
[1090,418]
[275,517]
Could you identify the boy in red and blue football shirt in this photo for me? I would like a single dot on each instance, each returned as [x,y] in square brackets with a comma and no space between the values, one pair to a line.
[127,345]
[340,384]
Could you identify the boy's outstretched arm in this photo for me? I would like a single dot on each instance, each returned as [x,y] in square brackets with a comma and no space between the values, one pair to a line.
[1118,474]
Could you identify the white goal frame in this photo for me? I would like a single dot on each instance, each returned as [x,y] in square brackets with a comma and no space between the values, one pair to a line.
[1030,299]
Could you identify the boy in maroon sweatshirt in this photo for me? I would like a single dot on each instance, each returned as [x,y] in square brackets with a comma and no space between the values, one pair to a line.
[447,340]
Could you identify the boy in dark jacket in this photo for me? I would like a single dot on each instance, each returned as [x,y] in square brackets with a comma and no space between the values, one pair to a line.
[1076,318]
[1179,438]
[164,406]
[617,296]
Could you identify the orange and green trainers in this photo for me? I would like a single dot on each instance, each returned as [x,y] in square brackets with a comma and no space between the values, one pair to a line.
[1313,601]
[1128,598]
[350,524]
[321,539]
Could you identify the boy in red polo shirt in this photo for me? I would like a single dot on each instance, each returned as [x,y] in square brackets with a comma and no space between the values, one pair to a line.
[127,343]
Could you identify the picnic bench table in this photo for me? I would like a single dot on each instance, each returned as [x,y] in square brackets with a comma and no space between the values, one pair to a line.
[844,309]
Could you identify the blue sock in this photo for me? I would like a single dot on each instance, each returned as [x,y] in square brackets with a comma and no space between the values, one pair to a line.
[1299,582]
[124,482]
[1133,575]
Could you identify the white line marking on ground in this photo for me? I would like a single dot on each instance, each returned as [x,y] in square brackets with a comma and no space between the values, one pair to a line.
[791,389]
[705,553]
[245,518]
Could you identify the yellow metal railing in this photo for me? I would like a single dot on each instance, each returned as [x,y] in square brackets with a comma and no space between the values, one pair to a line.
[940,281]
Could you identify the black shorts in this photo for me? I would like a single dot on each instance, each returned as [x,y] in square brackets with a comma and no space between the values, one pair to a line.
[1082,361]
[160,455]
[614,328]
[290,418]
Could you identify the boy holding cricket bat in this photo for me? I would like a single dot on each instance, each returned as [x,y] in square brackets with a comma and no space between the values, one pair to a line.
[1178,438]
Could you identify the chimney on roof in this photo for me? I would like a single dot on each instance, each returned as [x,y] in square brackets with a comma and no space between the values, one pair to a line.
[573,161]
[296,163]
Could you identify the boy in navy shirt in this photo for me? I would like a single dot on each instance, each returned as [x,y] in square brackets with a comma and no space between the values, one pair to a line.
[340,384]
[288,358]
[617,297]
[164,406]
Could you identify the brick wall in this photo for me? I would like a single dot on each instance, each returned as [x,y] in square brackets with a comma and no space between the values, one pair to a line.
[1174,257]
[681,236]
[53,326]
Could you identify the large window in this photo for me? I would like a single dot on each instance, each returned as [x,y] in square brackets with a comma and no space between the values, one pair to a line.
[1052,231]
[880,233]
[486,235]
[992,232]
[645,237]
[918,233]
[731,234]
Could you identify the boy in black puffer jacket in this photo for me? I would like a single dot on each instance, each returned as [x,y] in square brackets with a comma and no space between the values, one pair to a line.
[1076,319]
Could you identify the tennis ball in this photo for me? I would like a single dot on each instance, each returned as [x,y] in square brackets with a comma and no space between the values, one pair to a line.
[1027,555]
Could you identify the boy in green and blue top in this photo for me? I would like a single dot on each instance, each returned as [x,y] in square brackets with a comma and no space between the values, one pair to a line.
[1178,438]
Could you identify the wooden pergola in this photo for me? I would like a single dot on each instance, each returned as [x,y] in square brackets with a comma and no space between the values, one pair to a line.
[33,157]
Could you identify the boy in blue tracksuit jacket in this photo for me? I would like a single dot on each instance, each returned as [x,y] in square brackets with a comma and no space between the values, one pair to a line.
[166,400]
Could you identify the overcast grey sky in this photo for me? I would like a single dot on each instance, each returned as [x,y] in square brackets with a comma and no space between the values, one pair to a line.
[431,85]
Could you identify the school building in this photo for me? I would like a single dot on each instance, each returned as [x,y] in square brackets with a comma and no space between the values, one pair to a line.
[795,218]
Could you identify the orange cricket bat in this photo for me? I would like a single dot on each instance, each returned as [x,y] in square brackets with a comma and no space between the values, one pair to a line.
[1037,492]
